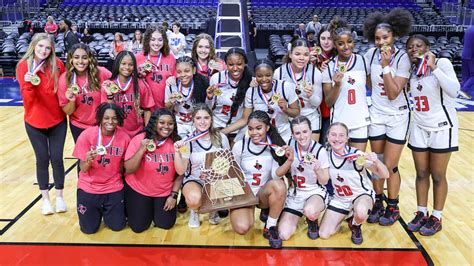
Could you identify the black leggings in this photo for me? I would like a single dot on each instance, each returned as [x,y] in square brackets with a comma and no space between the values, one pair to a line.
[141,210]
[75,131]
[48,144]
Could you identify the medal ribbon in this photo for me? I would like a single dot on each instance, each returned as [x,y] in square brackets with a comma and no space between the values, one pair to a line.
[36,67]
[190,90]
[422,68]
[158,60]
[263,96]
[159,143]
[84,86]
[99,139]
[127,84]
[293,75]
[348,64]
[299,152]
[268,143]
[196,136]
[347,155]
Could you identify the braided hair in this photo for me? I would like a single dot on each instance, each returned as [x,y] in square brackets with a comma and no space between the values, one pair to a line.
[150,128]
[200,82]
[244,82]
[398,21]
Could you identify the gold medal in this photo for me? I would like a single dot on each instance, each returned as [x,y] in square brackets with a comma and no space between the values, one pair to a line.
[308,158]
[147,66]
[421,55]
[360,161]
[113,88]
[385,47]
[211,64]
[342,68]
[100,150]
[151,146]
[279,151]
[318,50]
[183,149]
[217,91]
[303,85]
[35,80]
[75,89]
[247,134]
[179,97]
[275,98]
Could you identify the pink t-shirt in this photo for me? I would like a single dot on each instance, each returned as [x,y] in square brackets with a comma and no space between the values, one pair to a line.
[156,79]
[126,99]
[155,176]
[104,176]
[86,101]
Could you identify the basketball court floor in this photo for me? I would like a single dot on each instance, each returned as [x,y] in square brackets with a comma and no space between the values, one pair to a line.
[29,238]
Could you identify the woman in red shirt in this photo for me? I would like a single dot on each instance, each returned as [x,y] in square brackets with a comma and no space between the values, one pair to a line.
[79,88]
[154,170]
[101,150]
[156,63]
[38,72]
[51,27]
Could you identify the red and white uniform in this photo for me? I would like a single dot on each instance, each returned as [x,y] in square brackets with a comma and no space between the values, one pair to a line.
[183,110]
[105,173]
[257,163]
[126,100]
[86,102]
[156,173]
[165,66]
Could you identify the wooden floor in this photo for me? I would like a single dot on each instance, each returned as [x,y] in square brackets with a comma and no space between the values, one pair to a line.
[22,222]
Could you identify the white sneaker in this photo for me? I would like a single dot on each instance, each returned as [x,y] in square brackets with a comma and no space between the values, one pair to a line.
[193,219]
[47,209]
[214,218]
[60,205]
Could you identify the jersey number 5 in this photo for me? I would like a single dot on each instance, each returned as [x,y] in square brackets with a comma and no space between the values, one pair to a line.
[256,179]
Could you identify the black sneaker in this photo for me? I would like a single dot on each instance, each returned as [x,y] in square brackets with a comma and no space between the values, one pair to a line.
[182,207]
[417,222]
[273,237]
[223,213]
[392,213]
[264,215]
[356,233]
[432,226]
[313,229]
[377,212]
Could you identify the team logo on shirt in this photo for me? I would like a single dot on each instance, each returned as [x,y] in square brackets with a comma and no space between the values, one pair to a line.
[81,209]
[419,87]
[104,161]
[257,166]
[156,78]
[339,178]
[87,100]
[186,106]
[300,168]
[127,108]
[162,169]
[351,81]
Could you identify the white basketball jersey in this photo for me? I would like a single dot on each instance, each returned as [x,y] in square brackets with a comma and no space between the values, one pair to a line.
[304,177]
[309,105]
[256,162]
[433,108]
[182,110]
[400,67]
[198,150]
[223,103]
[348,180]
[351,106]
[255,98]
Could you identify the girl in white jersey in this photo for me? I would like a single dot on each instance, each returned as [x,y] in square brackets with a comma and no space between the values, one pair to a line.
[389,69]
[226,94]
[203,140]
[353,189]
[344,84]
[276,97]
[434,133]
[307,79]
[309,173]
[263,170]
[190,89]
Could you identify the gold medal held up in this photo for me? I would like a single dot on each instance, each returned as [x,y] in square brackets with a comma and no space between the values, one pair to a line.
[75,89]
[147,66]
[151,146]
[35,80]
[179,97]
[183,149]
[113,88]
[308,158]
[101,150]
[279,151]
[342,68]
[318,50]
[217,91]
[360,161]
[275,98]
[211,64]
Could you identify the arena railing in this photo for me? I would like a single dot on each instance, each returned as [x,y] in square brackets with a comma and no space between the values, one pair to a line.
[123,25]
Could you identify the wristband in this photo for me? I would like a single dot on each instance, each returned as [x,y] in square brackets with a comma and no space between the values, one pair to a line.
[386,70]
[174,194]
